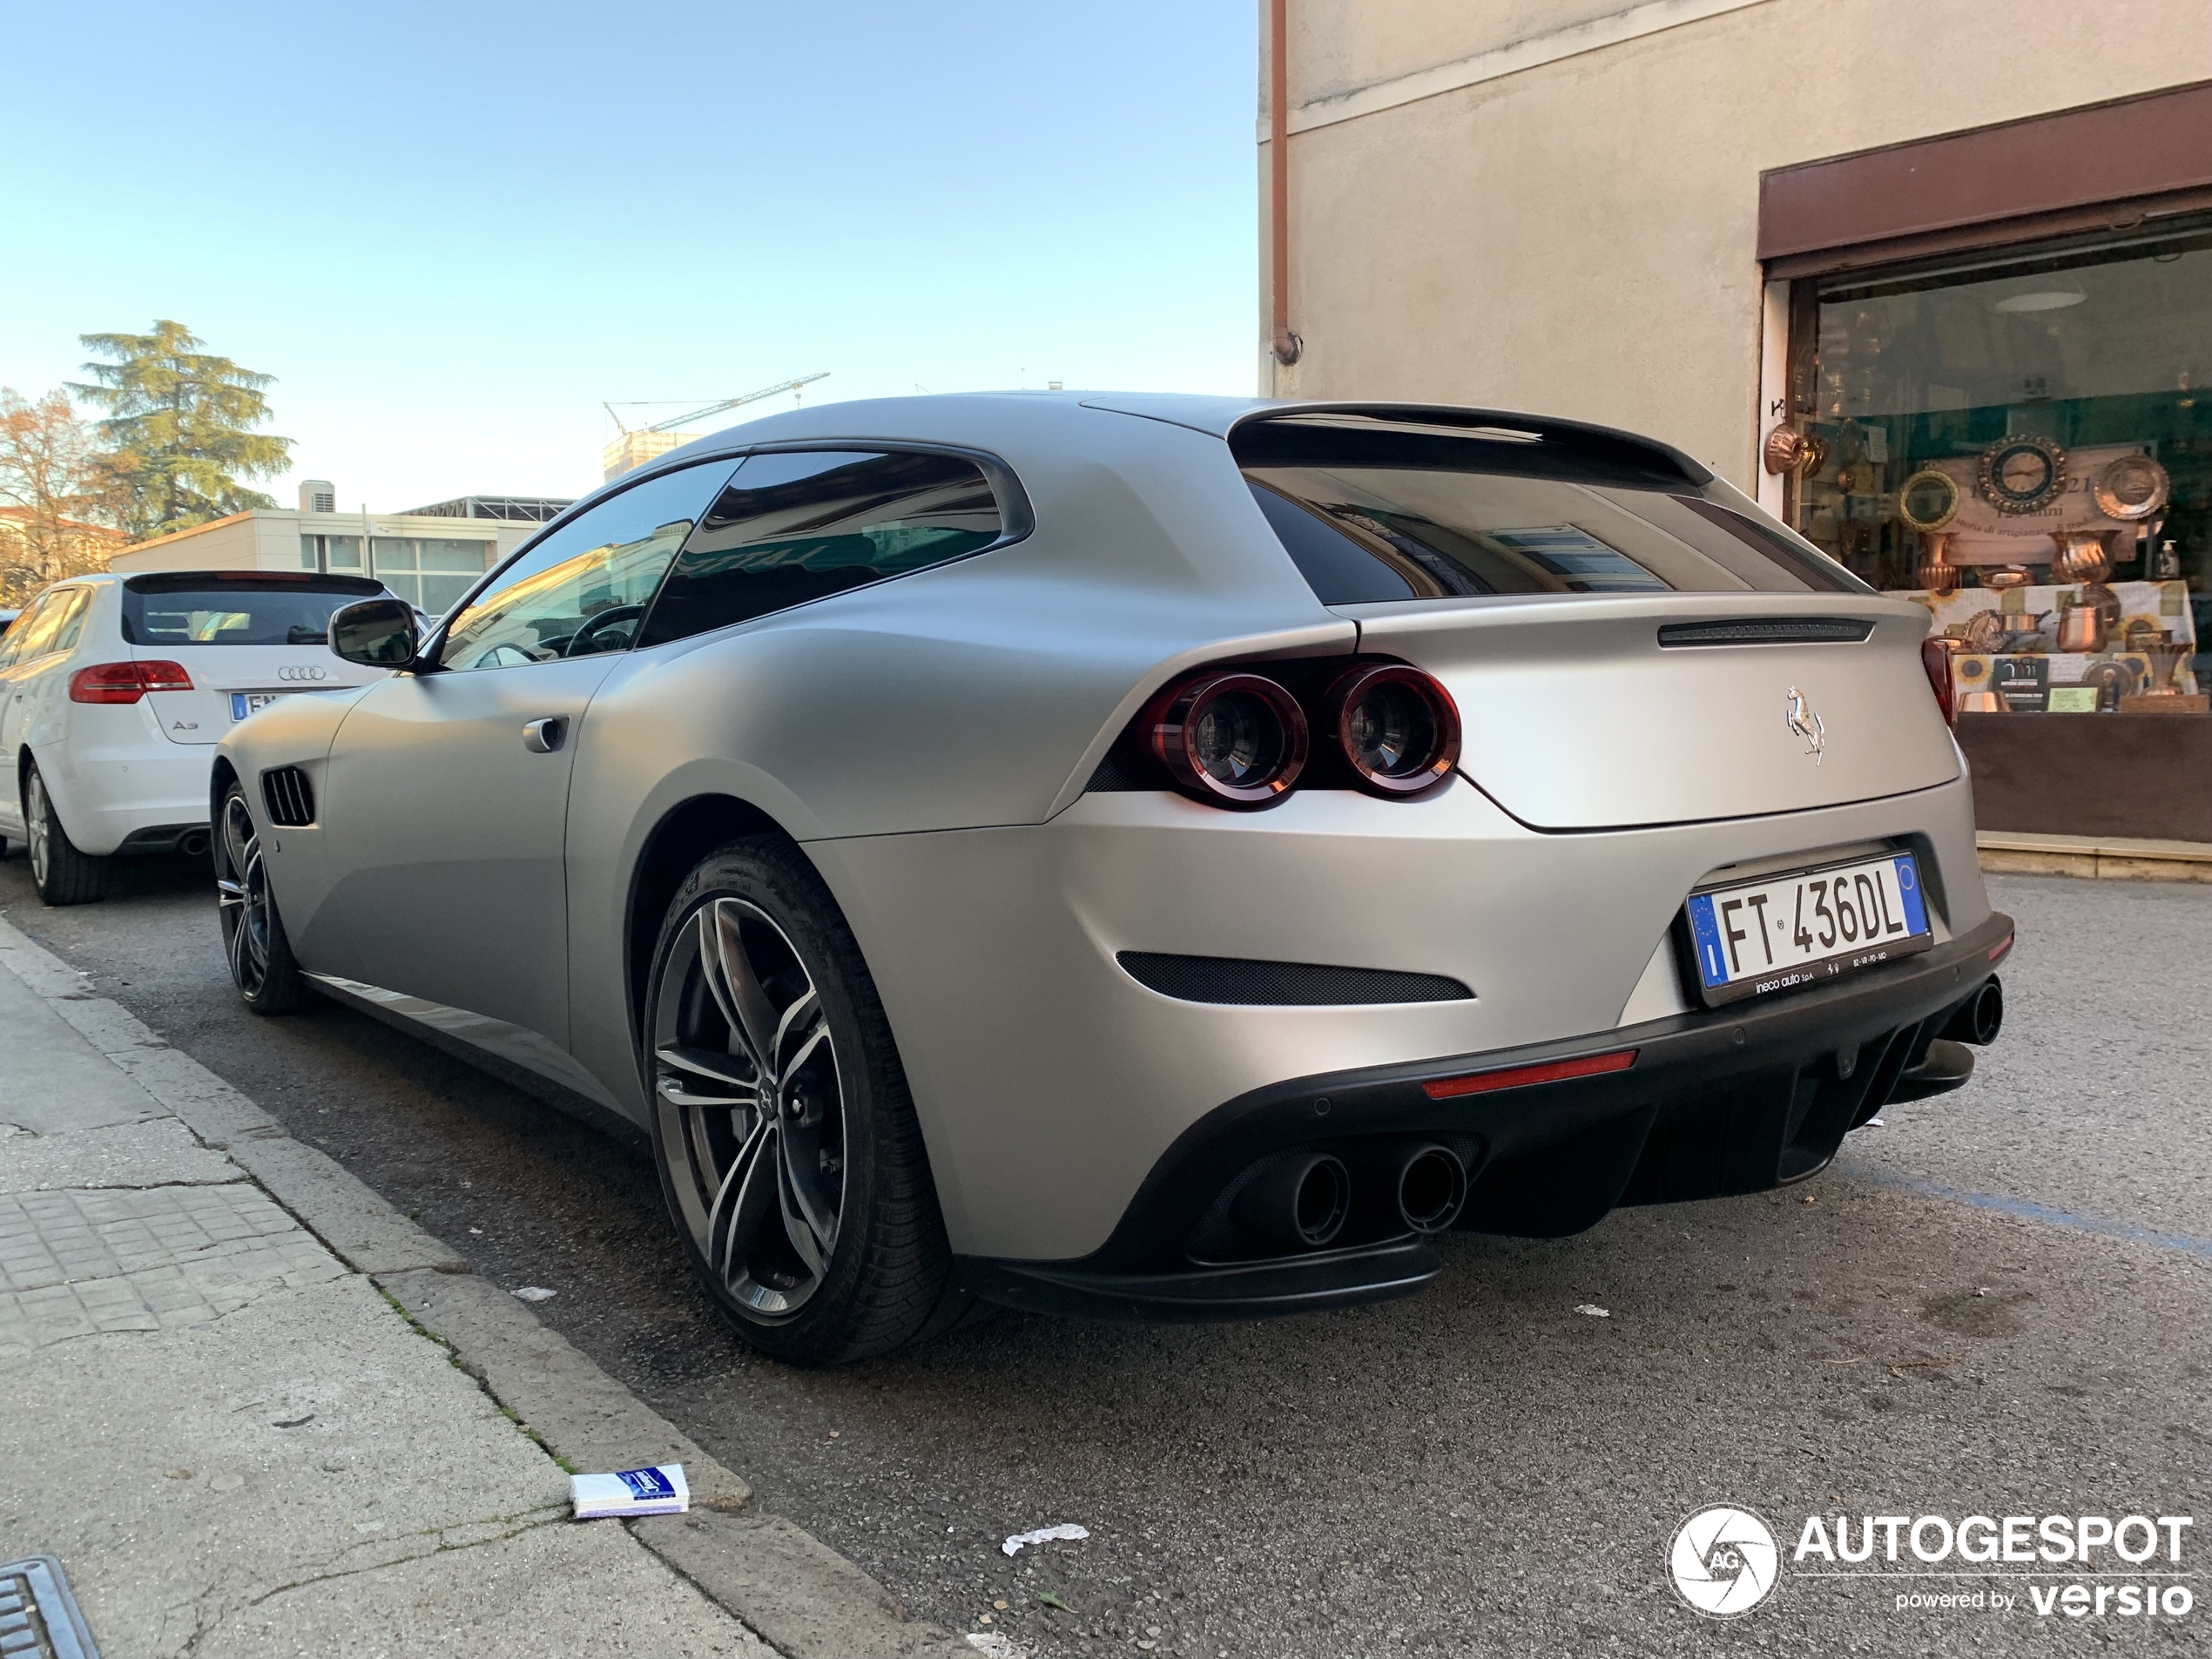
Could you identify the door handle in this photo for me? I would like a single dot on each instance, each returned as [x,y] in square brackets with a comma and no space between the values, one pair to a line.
[543,737]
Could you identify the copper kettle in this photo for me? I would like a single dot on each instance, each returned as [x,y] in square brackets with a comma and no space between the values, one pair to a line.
[2081,628]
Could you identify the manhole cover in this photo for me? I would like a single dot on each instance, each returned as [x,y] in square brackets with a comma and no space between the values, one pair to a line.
[38,1616]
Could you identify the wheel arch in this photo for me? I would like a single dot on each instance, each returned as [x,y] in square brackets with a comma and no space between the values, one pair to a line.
[685,834]
[220,777]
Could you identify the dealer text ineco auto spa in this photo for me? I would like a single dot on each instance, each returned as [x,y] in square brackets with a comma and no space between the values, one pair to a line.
[2052,1540]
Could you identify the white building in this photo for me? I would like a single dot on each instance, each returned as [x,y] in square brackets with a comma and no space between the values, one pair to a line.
[429,556]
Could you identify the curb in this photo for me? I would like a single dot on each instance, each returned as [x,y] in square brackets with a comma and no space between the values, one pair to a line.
[794,1592]
[2106,858]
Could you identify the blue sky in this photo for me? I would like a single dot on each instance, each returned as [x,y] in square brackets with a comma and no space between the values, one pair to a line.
[449,231]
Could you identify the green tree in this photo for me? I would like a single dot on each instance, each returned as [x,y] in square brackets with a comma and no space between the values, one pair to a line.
[180,430]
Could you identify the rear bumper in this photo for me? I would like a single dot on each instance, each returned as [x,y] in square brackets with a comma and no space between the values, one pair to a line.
[1715,1102]
[109,797]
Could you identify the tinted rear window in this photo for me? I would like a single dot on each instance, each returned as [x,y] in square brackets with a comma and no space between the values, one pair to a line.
[1371,515]
[230,614]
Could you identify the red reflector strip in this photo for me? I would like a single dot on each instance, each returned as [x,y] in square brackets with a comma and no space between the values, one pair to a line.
[2001,948]
[1549,1071]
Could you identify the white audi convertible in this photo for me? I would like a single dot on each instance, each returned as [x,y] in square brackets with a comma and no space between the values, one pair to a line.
[1144,857]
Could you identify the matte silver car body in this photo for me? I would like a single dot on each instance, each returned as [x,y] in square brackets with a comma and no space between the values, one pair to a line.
[928,741]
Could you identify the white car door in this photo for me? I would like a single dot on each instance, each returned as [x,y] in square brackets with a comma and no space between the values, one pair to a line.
[37,676]
[37,617]
[446,799]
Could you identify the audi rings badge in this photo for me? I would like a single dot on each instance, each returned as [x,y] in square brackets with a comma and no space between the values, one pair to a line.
[297,673]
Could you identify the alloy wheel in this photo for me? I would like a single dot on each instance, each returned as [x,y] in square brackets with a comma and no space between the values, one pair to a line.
[751,1108]
[242,898]
[35,830]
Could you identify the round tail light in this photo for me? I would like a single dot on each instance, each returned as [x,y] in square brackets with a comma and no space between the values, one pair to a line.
[1230,739]
[1398,727]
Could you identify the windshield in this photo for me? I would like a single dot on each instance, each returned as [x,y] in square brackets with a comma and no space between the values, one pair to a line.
[231,614]
[1371,514]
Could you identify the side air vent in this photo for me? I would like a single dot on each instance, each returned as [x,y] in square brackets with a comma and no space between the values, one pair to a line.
[289,796]
[1282,985]
[1768,631]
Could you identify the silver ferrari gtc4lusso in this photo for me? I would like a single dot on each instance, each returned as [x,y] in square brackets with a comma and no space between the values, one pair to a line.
[1142,856]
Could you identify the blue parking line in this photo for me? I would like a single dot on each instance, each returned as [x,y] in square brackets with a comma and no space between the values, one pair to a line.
[2027,1209]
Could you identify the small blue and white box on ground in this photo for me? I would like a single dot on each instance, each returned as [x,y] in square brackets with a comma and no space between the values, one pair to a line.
[657,1491]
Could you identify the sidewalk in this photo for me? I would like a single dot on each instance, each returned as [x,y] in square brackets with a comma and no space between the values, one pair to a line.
[237,1442]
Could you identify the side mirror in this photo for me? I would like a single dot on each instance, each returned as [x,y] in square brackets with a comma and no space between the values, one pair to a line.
[376,633]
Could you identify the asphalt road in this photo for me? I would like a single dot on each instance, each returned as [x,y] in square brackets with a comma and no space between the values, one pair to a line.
[1997,1303]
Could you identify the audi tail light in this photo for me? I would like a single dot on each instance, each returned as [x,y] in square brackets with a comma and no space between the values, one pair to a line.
[126,681]
[1935,656]
[1230,739]
[1396,727]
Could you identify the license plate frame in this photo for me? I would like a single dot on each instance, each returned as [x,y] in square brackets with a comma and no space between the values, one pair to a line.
[245,703]
[1700,931]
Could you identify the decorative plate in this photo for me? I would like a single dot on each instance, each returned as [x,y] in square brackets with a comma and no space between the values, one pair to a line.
[2131,488]
[2022,475]
[1929,500]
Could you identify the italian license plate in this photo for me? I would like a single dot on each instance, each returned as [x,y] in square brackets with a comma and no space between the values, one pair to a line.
[1759,937]
[245,703]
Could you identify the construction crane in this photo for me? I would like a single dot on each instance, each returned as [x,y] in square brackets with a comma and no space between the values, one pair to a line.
[637,445]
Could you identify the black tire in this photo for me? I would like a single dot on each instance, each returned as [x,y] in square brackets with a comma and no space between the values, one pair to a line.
[753,1185]
[62,875]
[253,937]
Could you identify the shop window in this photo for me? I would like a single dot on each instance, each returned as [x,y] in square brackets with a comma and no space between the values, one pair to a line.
[2024,445]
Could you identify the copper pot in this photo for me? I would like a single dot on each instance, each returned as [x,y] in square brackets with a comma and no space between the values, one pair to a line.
[2006,576]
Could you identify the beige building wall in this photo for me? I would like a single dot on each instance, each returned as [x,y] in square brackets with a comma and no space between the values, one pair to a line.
[1553,204]
[269,540]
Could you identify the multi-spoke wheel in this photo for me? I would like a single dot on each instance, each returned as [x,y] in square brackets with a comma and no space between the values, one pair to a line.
[253,936]
[788,1148]
[62,874]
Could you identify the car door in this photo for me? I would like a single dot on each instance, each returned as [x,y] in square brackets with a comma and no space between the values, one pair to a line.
[37,675]
[41,610]
[446,794]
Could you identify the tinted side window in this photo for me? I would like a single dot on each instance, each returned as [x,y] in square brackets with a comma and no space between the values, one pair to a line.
[33,636]
[72,625]
[794,527]
[585,588]
[20,631]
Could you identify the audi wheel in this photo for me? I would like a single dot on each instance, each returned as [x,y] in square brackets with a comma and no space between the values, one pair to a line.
[62,875]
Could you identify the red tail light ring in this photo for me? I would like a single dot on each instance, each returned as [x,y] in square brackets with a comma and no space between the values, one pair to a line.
[1230,739]
[125,681]
[1398,728]
[1935,656]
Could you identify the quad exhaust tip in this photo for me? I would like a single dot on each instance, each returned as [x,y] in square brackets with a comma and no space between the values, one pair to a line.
[1302,1200]
[1979,1018]
[1432,1187]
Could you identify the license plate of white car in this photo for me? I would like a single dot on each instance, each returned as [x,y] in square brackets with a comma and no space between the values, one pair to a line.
[1759,937]
[245,703]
